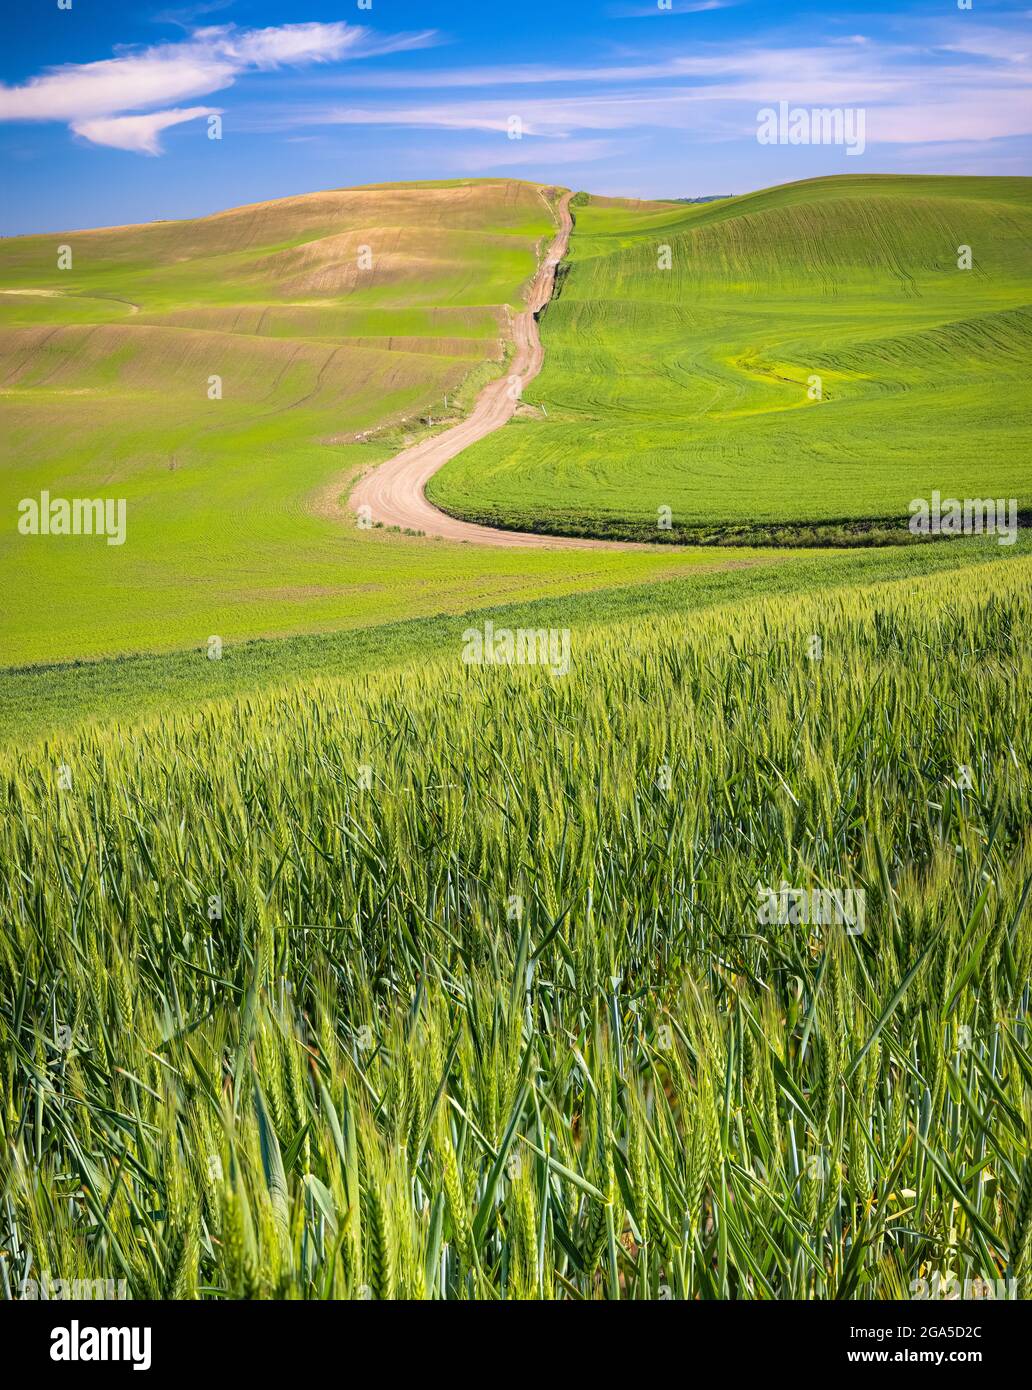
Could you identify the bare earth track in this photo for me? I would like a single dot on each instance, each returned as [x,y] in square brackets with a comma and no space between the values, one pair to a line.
[394,491]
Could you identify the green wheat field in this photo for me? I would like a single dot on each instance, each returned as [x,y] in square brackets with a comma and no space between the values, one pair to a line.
[695,387]
[341,967]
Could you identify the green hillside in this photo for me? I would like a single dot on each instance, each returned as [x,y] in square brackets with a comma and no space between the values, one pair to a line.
[233,527]
[690,387]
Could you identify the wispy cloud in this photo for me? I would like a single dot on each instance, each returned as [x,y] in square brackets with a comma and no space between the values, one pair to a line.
[95,97]
[186,16]
[714,91]
[987,42]
[138,133]
[551,74]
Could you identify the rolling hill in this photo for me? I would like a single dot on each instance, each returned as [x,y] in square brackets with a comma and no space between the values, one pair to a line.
[682,353]
[333,322]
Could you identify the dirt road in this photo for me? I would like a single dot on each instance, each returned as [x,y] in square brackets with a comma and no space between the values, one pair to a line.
[394,490]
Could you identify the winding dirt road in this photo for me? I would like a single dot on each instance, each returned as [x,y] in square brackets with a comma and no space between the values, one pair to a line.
[394,490]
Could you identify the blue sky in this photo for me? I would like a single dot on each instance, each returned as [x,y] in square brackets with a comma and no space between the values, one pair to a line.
[105,107]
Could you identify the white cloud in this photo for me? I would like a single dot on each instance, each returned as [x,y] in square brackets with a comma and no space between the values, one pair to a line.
[286,43]
[989,42]
[137,133]
[714,93]
[90,95]
[716,63]
[992,115]
[159,75]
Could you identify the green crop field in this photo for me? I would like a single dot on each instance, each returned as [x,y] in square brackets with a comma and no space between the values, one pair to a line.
[52,699]
[104,386]
[692,387]
[458,982]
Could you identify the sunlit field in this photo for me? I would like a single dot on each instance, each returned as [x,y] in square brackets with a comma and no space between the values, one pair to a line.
[227,378]
[498,981]
[794,365]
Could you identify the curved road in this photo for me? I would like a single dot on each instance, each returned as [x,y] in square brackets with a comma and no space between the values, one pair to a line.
[394,491]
